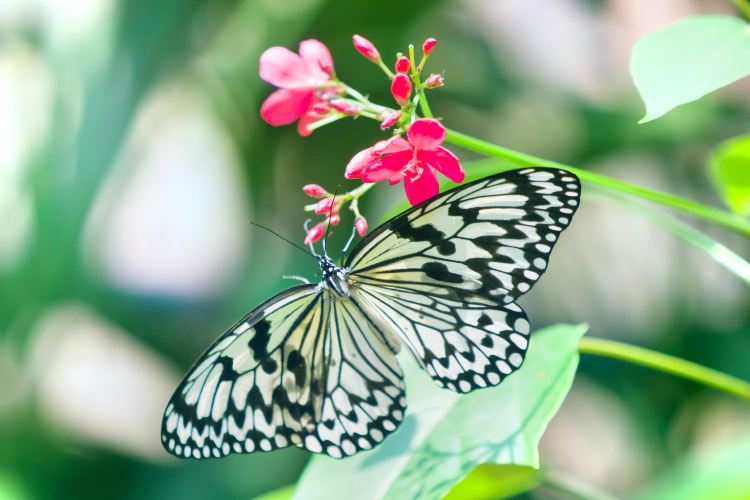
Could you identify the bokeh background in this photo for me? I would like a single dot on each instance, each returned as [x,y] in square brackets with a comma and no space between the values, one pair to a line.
[132,156]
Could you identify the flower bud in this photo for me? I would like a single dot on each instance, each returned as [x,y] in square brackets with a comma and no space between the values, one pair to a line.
[434,81]
[389,119]
[366,48]
[402,65]
[361,225]
[428,45]
[315,233]
[344,106]
[334,219]
[314,190]
[324,206]
[320,107]
[401,88]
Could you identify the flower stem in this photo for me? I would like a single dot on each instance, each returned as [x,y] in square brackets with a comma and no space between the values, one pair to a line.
[385,68]
[715,215]
[665,363]
[326,120]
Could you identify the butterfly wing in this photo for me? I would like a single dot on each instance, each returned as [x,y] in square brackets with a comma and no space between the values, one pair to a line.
[445,274]
[301,369]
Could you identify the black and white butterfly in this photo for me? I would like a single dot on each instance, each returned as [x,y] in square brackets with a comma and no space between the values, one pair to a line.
[315,366]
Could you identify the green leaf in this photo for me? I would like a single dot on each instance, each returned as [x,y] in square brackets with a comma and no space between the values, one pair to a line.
[730,168]
[444,436]
[689,59]
[491,481]
[722,473]
[283,493]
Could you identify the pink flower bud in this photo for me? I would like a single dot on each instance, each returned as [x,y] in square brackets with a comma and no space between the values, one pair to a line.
[320,107]
[361,225]
[389,119]
[434,81]
[315,233]
[366,48]
[324,206]
[334,219]
[344,106]
[402,65]
[428,45]
[401,88]
[314,190]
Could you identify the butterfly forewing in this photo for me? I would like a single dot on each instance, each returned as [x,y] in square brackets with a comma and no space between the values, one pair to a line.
[303,369]
[491,237]
[444,275]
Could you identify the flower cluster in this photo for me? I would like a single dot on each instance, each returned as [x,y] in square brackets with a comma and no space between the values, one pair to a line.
[311,94]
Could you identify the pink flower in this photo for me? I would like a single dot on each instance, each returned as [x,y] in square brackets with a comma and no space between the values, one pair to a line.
[389,119]
[402,65]
[401,88]
[344,106]
[366,48]
[428,45]
[314,190]
[360,224]
[315,233]
[300,78]
[414,161]
[434,81]
[325,206]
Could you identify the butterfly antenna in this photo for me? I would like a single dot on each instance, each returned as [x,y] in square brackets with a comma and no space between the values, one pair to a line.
[330,213]
[285,239]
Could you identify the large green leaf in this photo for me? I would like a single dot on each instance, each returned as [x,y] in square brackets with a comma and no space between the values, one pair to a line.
[444,436]
[493,481]
[724,474]
[730,168]
[689,59]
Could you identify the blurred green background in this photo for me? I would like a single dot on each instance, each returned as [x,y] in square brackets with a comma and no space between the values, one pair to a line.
[132,156]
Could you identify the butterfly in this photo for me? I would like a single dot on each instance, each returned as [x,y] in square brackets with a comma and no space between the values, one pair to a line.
[315,366]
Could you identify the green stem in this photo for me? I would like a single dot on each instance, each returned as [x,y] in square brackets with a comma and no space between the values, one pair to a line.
[715,215]
[665,363]
[719,252]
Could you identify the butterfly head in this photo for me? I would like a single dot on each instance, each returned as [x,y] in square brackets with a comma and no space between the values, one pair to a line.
[333,276]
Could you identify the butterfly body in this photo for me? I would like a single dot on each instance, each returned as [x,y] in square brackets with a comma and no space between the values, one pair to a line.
[334,277]
[316,367]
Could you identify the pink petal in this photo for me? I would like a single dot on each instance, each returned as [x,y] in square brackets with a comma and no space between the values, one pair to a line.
[370,156]
[386,167]
[426,133]
[317,55]
[444,162]
[285,105]
[304,121]
[422,188]
[394,145]
[285,69]
[359,162]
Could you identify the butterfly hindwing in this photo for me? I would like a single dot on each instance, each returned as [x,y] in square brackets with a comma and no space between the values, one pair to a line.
[303,369]
[444,276]
[464,342]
